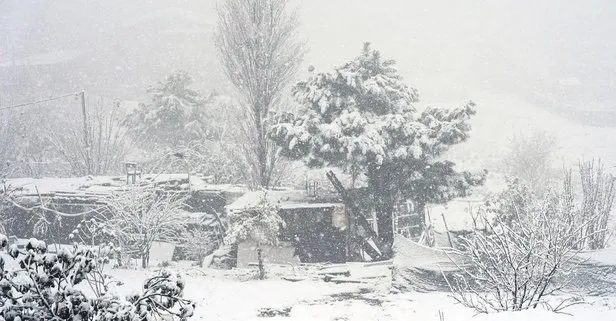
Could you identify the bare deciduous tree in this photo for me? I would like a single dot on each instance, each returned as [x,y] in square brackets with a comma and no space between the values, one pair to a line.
[142,215]
[530,158]
[260,54]
[598,191]
[524,255]
[108,140]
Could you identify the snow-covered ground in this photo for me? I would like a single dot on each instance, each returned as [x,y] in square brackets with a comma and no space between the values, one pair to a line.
[234,295]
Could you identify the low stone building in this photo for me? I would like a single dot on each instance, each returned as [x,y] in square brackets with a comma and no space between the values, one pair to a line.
[77,196]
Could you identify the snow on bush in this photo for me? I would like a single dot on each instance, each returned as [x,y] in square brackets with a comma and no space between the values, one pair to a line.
[260,223]
[46,286]
[598,192]
[526,253]
[531,159]
[142,215]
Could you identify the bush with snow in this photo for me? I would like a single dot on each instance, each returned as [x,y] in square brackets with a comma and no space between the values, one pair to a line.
[531,159]
[260,223]
[47,286]
[526,253]
[142,215]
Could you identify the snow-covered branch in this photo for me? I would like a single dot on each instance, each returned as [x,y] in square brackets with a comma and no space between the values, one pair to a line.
[142,215]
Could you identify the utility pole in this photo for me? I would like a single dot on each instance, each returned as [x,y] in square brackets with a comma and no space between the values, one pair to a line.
[86,134]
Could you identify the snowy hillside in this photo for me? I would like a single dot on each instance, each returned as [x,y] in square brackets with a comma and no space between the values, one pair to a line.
[500,117]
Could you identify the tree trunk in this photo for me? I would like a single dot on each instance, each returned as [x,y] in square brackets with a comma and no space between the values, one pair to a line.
[421,212]
[261,266]
[385,227]
[263,176]
[384,199]
[145,258]
[120,264]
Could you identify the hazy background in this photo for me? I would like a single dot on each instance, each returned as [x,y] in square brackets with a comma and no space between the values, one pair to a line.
[548,64]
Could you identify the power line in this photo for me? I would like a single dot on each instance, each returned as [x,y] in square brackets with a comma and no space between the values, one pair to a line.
[40,101]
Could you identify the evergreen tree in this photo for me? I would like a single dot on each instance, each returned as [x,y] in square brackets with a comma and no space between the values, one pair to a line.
[361,118]
[175,115]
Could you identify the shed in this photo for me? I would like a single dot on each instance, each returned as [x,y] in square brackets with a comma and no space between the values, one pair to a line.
[315,230]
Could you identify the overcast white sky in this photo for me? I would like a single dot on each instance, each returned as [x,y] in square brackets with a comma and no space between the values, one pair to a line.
[444,48]
[510,45]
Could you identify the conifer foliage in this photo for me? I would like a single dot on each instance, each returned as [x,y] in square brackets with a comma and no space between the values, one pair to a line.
[362,117]
[174,116]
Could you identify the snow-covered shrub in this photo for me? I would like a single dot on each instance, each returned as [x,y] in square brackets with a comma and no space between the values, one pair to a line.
[39,285]
[525,254]
[598,191]
[200,242]
[260,223]
[142,215]
[530,158]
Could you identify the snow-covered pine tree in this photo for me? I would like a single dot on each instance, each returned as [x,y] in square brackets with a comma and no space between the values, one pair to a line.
[174,116]
[361,117]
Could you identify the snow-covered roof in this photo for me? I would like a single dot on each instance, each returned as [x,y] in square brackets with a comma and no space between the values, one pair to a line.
[77,185]
[286,199]
[89,185]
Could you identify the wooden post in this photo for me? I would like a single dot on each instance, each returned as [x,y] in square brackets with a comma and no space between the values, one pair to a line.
[394,223]
[374,250]
[260,260]
[86,135]
[473,218]
[375,223]
[447,230]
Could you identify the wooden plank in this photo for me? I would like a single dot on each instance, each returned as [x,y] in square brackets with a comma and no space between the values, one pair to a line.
[333,273]
[447,230]
[372,249]
[345,280]
[329,266]
[380,263]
